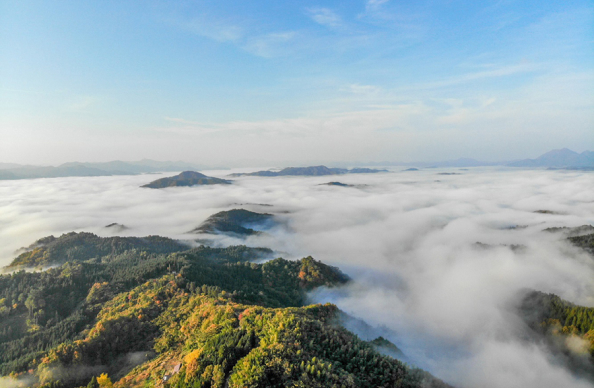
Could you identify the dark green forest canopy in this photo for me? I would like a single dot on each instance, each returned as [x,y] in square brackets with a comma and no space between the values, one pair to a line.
[585,242]
[41,309]
[386,346]
[84,246]
[223,318]
[238,222]
[572,232]
[565,328]
[540,309]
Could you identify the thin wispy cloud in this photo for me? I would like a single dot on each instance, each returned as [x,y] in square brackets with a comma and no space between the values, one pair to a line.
[388,121]
[245,37]
[212,28]
[325,17]
[267,41]
[501,71]
[343,123]
[363,89]
[270,45]
[375,4]
[400,25]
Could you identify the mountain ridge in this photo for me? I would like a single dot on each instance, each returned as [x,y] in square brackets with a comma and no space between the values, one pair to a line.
[12,171]
[310,171]
[558,158]
[562,158]
[203,317]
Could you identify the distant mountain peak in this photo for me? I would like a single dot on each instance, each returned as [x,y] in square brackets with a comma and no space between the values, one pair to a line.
[186,178]
[558,152]
[190,175]
[558,158]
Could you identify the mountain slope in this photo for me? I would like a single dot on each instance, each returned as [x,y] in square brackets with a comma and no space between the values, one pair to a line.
[204,317]
[40,310]
[238,222]
[565,328]
[84,246]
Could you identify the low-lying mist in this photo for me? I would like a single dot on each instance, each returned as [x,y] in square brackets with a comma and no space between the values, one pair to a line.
[408,239]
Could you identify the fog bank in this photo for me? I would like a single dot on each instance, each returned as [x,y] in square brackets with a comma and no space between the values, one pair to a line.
[408,239]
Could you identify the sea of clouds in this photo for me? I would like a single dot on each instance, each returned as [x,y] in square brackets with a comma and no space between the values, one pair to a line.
[407,238]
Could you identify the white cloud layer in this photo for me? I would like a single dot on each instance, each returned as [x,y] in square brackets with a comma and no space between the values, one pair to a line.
[407,238]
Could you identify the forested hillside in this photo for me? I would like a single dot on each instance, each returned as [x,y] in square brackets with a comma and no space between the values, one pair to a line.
[84,246]
[151,312]
[236,222]
[585,242]
[565,328]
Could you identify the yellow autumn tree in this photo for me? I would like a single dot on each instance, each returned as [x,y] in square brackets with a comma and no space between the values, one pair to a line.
[104,381]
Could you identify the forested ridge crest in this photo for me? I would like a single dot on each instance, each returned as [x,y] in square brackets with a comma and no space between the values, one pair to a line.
[223,318]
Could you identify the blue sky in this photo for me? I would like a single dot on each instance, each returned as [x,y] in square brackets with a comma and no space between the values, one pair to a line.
[252,82]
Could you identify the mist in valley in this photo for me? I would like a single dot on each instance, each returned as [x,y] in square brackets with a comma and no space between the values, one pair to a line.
[439,262]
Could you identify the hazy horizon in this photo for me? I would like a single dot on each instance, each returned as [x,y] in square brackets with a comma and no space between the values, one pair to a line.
[262,163]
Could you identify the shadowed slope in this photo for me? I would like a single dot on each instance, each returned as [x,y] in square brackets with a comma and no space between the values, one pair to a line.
[236,222]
